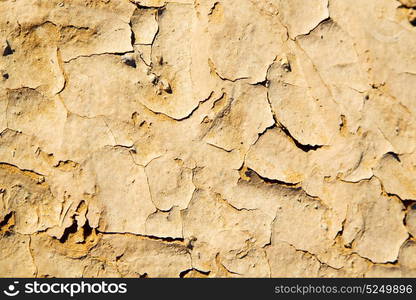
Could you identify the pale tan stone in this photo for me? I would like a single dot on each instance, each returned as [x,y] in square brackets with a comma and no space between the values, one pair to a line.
[23,191]
[245,39]
[144,26]
[170,183]
[34,67]
[130,187]
[296,103]
[272,157]
[215,138]
[286,261]
[301,17]
[406,256]
[411,220]
[135,256]
[397,175]
[165,224]
[95,91]
[245,114]
[16,259]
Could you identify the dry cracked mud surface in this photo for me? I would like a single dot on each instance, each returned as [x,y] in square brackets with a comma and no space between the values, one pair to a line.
[207,138]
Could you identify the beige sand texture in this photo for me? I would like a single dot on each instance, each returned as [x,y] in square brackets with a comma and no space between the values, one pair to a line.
[207,138]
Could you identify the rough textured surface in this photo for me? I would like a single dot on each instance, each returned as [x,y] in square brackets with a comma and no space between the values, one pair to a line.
[214,138]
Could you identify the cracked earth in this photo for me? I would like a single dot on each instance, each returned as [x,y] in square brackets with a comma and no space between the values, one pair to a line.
[207,138]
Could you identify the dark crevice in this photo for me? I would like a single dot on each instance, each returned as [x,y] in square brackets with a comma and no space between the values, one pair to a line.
[394,155]
[168,89]
[409,204]
[265,83]
[130,62]
[165,239]
[405,6]
[6,219]
[63,163]
[184,273]
[393,195]
[213,8]
[286,67]
[190,244]
[8,50]
[68,231]
[140,6]
[87,230]
[304,148]
[327,20]
[413,22]
[99,54]
[343,123]
[251,173]
[6,224]
[132,36]
[274,125]
[151,237]
[411,13]
[160,11]
[41,180]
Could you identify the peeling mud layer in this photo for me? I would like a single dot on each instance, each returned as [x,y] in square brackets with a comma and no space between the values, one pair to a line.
[207,138]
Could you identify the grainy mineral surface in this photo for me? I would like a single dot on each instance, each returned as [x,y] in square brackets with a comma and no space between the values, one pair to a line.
[207,138]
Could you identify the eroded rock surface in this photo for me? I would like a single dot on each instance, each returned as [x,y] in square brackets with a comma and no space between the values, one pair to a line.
[215,138]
